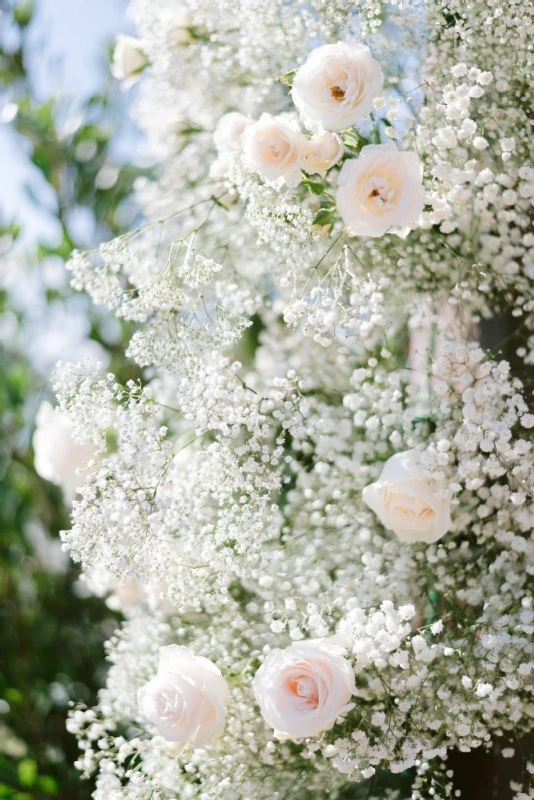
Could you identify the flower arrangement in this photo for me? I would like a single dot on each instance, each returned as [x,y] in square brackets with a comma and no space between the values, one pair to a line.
[323,487]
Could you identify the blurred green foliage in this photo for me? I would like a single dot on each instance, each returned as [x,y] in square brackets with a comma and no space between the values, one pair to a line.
[50,639]
[51,635]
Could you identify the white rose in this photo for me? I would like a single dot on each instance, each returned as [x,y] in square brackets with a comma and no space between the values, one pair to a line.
[228,133]
[274,148]
[381,191]
[129,60]
[322,152]
[303,689]
[186,700]
[336,86]
[406,502]
[57,456]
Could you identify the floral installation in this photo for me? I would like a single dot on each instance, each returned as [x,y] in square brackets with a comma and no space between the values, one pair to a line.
[323,485]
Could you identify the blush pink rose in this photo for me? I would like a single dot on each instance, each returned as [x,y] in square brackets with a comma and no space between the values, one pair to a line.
[303,689]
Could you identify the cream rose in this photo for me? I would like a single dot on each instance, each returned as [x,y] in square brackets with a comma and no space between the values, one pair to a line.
[381,191]
[57,457]
[303,689]
[407,503]
[187,698]
[274,148]
[336,86]
[129,60]
[322,152]
[229,131]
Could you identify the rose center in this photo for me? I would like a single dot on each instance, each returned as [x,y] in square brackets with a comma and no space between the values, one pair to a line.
[305,687]
[337,92]
[169,703]
[379,192]
[277,150]
[410,509]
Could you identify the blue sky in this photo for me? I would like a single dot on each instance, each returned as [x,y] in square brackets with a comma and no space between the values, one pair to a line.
[67,57]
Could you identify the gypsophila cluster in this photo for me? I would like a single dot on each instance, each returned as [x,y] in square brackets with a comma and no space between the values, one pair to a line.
[316,508]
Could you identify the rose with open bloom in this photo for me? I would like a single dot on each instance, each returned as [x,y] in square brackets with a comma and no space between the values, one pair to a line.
[322,152]
[186,700]
[336,86]
[407,503]
[274,148]
[381,191]
[58,458]
[303,689]
[129,60]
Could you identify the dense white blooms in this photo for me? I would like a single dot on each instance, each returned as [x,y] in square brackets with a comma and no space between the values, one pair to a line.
[310,387]
[336,86]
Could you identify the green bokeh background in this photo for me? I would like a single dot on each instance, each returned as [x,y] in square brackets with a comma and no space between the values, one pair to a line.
[51,632]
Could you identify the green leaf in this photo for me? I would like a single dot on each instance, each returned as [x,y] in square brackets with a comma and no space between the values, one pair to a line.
[351,139]
[314,186]
[324,216]
[13,696]
[27,771]
[30,194]
[433,595]
[190,130]
[48,784]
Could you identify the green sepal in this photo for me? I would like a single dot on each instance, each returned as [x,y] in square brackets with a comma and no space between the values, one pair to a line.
[287,78]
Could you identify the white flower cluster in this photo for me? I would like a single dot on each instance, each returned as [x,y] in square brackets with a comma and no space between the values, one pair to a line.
[316,508]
